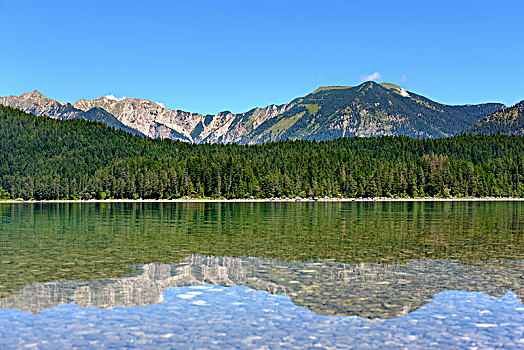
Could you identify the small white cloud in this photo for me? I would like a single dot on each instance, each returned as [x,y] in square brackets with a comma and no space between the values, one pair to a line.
[114,98]
[403,79]
[321,76]
[160,104]
[373,76]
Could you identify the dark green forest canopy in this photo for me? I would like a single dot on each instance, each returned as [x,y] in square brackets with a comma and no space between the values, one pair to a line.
[43,158]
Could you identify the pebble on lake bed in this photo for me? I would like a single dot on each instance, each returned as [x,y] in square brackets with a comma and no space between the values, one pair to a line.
[236,318]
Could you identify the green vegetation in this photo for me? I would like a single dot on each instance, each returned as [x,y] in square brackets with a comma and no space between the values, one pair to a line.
[326,88]
[312,108]
[4,194]
[509,121]
[80,241]
[390,86]
[43,158]
[284,124]
[370,109]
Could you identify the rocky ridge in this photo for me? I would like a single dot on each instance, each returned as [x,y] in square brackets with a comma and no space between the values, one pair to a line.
[325,287]
[369,109]
[39,105]
[155,121]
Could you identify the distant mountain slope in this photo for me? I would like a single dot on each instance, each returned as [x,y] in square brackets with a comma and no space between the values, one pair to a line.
[369,109]
[508,121]
[44,158]
[39,105]
[155,121]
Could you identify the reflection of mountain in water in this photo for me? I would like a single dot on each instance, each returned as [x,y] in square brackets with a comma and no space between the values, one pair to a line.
[366,290]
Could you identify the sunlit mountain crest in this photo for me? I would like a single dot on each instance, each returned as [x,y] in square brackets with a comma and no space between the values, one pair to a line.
[369,109]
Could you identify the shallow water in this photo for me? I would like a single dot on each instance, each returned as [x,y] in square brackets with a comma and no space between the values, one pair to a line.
[113,274]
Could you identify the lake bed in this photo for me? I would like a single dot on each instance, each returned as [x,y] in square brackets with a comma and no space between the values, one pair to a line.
[291,275]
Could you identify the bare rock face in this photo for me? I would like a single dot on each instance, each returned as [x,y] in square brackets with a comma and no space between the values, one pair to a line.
[240,128]
[155,121]
[325,287]
[39,105]
[147,117]
[369,109]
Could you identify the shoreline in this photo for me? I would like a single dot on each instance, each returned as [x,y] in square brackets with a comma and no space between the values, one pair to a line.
[270,200]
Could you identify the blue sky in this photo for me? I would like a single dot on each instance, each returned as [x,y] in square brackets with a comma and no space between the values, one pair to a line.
[209,56]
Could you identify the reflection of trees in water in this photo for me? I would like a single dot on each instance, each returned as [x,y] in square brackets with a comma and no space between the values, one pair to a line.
[95,241]
[326,287]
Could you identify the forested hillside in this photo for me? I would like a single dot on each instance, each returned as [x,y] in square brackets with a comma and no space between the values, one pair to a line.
[369,109]
[37,104]
[43,158]
[330,112]
[509,121]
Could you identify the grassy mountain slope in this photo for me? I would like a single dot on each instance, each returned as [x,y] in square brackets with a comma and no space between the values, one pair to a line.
[369,109]
[44,158]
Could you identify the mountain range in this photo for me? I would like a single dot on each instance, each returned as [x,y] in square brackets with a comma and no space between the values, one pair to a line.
[369,109]
[508,120]
[325,287]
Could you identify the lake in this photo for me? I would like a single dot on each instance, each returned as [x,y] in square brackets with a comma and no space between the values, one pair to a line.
[262,275]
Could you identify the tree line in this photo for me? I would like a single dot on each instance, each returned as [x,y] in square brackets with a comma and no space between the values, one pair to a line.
[43,159]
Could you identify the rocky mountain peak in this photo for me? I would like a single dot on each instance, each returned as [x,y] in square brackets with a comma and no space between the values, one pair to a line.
[36,103]
[34,95]
[369,109]
[105,99]
[328,88]
[368,85]
[395,88]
